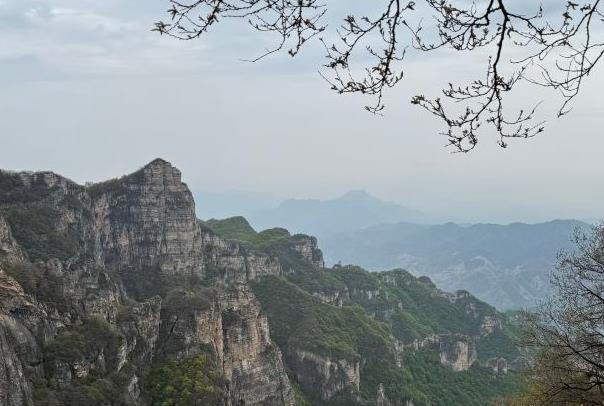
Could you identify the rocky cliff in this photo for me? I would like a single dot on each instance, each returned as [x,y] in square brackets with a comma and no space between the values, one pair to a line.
[115,293]
[111,259]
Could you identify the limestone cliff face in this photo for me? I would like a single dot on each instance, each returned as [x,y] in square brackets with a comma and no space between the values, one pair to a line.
[308,247]
[141,224]
[231,324]
[489,325]
[252,362]
[457,352]
[147,219]
[236,265]
[18,349]
[8,246]
[498,365]
[49,213]
[325,376]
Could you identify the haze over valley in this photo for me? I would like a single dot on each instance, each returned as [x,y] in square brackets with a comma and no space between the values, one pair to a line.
[506,265]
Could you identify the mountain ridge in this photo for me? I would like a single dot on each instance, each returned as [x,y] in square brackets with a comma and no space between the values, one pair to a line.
[116,293]
[506,265]
[353,210]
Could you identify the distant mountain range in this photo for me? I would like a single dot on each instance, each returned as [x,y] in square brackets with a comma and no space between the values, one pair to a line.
[355,210]
[505,265]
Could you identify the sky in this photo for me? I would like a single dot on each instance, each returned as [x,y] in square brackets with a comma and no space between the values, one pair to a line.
[88,91]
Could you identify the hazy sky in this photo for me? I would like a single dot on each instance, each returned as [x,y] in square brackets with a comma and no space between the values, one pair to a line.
[88,91]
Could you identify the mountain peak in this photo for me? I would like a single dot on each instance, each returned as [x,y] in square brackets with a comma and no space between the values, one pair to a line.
[358,194]
[158,162]
[163,172]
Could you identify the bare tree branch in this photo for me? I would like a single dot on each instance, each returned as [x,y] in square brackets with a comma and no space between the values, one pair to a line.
[556,52]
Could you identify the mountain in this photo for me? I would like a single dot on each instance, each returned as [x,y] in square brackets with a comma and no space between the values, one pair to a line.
[505,265]
[352,211]
[117,294]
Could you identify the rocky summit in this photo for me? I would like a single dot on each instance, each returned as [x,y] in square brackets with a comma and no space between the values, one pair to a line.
[115,293]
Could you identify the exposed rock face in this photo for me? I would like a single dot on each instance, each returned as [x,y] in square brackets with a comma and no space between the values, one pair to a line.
[140,333]
[139,223]
[148,219]
[324,375]
[15,388]
[251,361]
[8,246]
[336,298]
[236,264]
[457,352]
[307,246]
[231,324]
[63,228]
[498,365]
[18,349]
[489,325]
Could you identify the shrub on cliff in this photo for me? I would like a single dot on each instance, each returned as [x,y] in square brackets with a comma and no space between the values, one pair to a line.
[190,381]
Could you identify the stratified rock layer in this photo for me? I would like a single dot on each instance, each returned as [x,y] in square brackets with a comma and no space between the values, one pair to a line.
[139,227]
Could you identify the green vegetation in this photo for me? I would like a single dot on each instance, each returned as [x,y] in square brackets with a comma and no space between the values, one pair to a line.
[238,230]
[316,280]
[274,242]
[115,185]
[403,307]
[443,387]
[377,308]
[234,228]
[91,390]
[378,311]
[31,209]
[75,343]
[299,395]
[97,392]
[40,283]
[14,191]
[300,321]
[181,300]
[34,229]
[190,381]
[500,343]
[413,307]
[83,343]
[144,283]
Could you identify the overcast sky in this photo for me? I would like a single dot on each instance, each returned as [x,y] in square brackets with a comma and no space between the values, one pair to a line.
[88,91]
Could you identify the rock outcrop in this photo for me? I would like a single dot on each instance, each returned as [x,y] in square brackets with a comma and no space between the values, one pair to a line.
[147,219]
[18,349]
[325,376]
[103,253]
[498,365]
[457,352]
[231,324]
[308,247]
[9,249]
